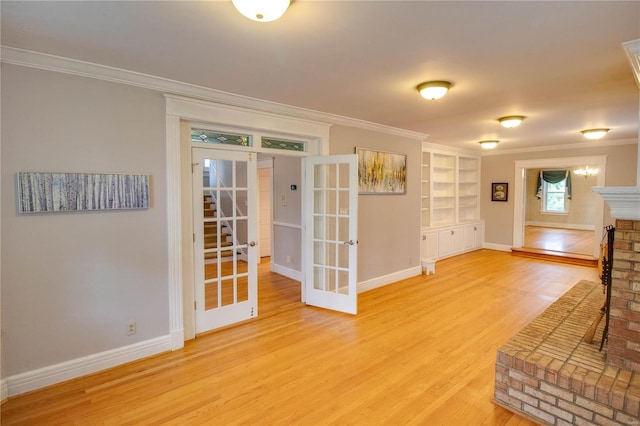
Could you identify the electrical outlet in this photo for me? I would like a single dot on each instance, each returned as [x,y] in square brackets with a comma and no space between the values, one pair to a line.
[131,328]
[288,259]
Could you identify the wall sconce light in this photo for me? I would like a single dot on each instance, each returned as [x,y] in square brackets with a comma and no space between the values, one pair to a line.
[488,144]
[594,133]
[511,121]
[586,171]
[434,89]
[262,10]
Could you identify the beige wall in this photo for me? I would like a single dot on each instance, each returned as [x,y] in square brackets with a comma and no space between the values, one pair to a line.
[287,240]
[621,171]
[72,281]
[388,225]
[581,206]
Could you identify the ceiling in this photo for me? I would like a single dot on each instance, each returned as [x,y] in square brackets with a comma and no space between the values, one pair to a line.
[561,64]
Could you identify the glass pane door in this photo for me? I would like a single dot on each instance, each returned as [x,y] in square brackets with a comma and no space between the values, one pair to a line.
[331,232]
[224,196]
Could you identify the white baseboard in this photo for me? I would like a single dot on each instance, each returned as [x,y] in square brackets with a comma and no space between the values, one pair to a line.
[4,390]
[388,279]
[287,272]
[579,226]
[499,247]
[177,339]
[36,379]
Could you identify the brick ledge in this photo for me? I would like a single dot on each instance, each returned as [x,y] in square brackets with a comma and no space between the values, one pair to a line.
[549,375]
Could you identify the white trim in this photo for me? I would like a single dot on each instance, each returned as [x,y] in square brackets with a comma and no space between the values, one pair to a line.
[600,161]
[4,390]
[623,200]
[211,115]
[443,149]
[579,226]
[633,53]
[265,163]
[194,110]
[573,147]
[174,232]
[498,247]
[29,58]
[35,379]
[287,225]
[286,272]
[389,279]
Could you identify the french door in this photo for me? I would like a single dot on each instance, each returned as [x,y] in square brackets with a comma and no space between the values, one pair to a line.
[330,212]
[225,253]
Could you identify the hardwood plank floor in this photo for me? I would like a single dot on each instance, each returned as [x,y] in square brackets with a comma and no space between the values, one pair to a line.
[420,351]
[560,240]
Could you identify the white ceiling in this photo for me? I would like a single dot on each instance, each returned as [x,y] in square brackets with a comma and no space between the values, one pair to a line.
[561,64]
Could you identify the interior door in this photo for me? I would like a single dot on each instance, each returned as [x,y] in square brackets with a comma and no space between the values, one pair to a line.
[330,241]
[224,217]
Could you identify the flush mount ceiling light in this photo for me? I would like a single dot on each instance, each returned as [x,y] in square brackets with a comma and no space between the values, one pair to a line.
[488,144]
[434,89]
[511,121]
[262,10]
[594,133]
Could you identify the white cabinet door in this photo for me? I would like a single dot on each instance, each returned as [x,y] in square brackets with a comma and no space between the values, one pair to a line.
[457,234]
[444,242]
[478,241]
[450,241]
[473,236]
[429,245]
[469,237]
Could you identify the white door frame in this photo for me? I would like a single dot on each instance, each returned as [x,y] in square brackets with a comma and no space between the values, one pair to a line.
[569,162]
[179,109]
[266,164]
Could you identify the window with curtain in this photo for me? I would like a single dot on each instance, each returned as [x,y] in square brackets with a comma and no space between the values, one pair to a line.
[554,189]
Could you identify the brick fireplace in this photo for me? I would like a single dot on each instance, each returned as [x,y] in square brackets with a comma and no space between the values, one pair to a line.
[549,374]
[623,344]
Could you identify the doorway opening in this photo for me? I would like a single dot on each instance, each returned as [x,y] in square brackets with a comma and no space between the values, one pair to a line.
[526,190]
[560,216]
[228,239]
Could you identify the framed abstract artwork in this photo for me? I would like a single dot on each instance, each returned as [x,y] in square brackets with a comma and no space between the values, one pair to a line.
[381,172]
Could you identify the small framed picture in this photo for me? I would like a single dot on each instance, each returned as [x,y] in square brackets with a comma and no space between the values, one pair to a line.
[499,191]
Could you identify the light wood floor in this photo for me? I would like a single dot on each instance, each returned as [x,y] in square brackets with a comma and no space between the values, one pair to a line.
[561,240]
[420,351]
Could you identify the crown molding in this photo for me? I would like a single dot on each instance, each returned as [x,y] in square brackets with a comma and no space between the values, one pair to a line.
[580,145]
[445,149]
[633,53]
[44,61]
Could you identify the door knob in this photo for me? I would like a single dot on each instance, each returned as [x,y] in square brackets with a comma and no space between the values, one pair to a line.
[252,243]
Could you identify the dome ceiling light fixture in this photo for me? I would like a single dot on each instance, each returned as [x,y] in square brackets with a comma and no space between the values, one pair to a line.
[594,133]
[489,144]
[433,90]
[511,121]
[262,10]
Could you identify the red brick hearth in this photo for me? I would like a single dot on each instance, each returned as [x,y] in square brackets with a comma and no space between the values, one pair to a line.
[547,373]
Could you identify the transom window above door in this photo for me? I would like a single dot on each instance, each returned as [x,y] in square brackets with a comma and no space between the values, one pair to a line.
[288,145]
[247,139]
[207,136]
